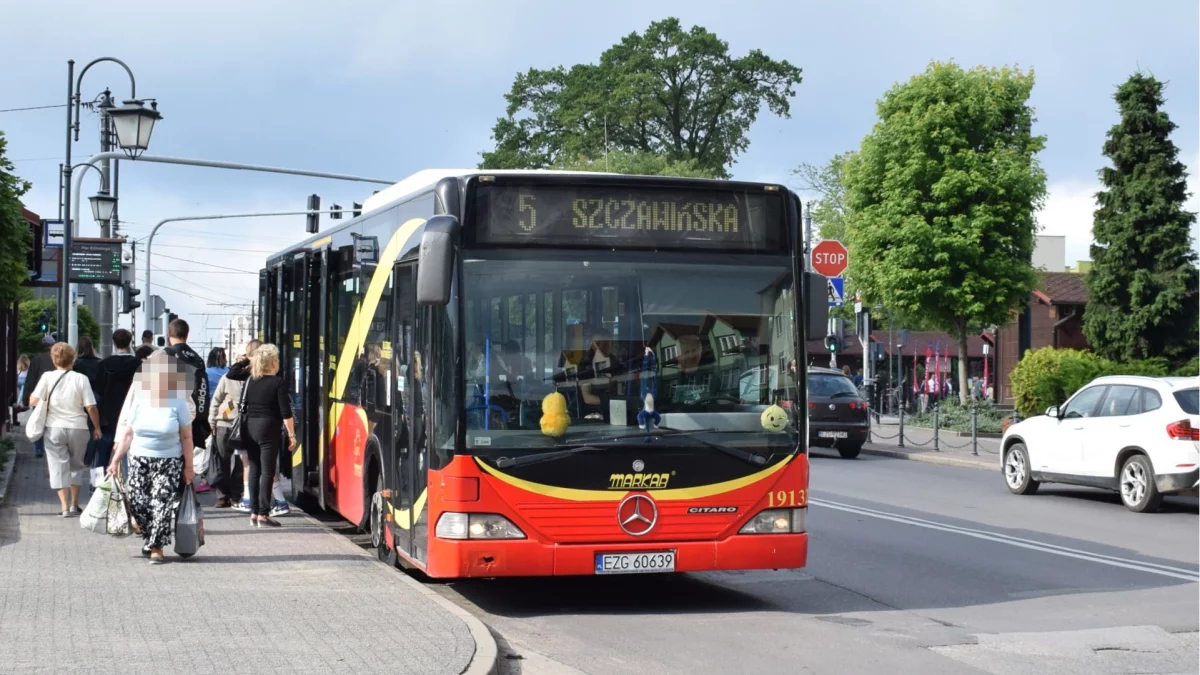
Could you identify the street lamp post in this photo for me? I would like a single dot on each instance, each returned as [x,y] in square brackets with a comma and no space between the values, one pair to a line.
[134,141]
[73,206]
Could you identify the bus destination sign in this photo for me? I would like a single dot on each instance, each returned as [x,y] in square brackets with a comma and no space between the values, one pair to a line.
[628,217]
[95,261]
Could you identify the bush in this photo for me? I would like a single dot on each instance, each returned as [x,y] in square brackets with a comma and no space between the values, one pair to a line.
[955,417]
[1048,376]
[1189,369]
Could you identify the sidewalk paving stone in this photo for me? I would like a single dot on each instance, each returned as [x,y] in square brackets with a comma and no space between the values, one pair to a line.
[298,599]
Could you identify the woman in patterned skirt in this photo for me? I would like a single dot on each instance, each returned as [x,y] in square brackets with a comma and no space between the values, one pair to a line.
[156,426]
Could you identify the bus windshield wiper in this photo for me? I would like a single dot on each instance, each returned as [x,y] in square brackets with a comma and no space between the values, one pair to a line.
[507,462]
[744,455]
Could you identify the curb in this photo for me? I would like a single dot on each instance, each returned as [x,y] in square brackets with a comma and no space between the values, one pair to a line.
[486,660]
[7,472]
[928,458]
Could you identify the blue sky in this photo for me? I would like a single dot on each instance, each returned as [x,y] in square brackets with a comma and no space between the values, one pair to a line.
[388,88]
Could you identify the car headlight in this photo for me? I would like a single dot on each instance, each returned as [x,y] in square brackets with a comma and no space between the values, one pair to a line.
[777,521]
[454,525]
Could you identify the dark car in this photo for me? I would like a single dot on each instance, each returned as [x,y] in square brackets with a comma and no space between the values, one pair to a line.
[837,413]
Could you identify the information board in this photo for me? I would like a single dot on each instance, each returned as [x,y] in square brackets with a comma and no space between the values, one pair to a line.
[629,217]
[96,261]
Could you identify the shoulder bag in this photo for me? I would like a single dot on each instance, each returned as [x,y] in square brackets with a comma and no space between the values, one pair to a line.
[35,427]
[236,431]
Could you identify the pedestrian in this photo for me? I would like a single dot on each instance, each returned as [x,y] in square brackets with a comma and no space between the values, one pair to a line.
[22,376]
[88,364]
[240,372]
[177,334]
[858,378]
[143,352]
[268,411]
[38,366]
[217,367]
[156,432]
[222,412]
[116,379]
[148,339]
[70,405]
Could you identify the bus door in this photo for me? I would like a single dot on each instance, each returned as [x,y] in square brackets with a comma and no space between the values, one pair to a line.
[316,443]
[402,472]
[294,347]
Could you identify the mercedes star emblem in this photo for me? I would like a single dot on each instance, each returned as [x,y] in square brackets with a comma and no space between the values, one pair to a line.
[637,515]
[832,406]
[638,465]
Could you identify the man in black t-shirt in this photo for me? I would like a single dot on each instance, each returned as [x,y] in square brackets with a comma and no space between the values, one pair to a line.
[177,333]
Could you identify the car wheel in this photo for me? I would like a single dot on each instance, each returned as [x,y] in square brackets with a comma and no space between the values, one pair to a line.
[849,450]
[1138,490]
[1017,475]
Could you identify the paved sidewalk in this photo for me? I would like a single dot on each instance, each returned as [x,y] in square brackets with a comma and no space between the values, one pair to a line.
[954,450]
[299,599]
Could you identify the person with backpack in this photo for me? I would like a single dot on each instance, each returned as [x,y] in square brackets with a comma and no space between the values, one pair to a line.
[177,335]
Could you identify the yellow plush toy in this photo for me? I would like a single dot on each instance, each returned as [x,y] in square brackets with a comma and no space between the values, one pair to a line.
[555,419]
[774,419]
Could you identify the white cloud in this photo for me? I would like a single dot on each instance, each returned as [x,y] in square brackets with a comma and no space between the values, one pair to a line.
[1070,205]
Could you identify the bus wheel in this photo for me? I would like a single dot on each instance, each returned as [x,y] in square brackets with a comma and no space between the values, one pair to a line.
[378,529]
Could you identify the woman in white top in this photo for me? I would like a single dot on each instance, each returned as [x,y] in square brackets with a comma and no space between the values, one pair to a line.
[156,426]
[70,403]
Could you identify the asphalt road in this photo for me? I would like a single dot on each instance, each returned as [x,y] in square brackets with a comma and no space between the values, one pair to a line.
[913,567]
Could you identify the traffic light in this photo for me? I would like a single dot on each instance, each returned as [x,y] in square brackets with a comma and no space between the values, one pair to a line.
[128,295]
[171,316]
[832,343]
[356,210]
[44,322]
[313,220]
[336,212]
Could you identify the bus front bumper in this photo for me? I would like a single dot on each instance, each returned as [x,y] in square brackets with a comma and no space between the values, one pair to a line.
[526,558]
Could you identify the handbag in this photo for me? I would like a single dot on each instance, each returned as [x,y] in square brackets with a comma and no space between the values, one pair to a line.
[237,439]
[35,426]
[119,522]
[95,516]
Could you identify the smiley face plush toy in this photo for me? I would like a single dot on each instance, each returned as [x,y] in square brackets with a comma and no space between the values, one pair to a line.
[555,419]
[774,419]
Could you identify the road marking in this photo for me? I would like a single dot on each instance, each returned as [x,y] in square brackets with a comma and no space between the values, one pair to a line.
[1152,568]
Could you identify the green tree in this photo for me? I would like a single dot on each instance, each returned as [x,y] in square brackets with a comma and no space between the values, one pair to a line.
[15,238]
[29,334]
[667,91]
[1142,283]
[943,192]
[830,212]
[638,164]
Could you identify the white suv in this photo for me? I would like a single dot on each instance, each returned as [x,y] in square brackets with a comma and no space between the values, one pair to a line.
[1139,436]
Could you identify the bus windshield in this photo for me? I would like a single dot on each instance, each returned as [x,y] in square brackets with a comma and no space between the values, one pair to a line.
[713,345]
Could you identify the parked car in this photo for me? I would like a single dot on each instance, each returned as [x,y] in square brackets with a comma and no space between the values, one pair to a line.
[1138,436]
[837,412]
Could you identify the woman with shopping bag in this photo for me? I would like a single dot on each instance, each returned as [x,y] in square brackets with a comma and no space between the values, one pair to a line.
[157,427]
[63,404]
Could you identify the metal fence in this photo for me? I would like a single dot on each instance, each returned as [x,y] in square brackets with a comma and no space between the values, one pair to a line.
[906,440]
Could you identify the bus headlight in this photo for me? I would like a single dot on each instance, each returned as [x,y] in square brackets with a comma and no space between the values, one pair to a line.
[777,521]
[454,525]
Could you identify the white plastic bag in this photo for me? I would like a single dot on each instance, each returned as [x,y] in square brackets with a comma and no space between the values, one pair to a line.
[95,517]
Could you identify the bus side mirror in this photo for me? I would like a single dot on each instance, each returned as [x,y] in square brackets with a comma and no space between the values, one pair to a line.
[435,261]
[816,305]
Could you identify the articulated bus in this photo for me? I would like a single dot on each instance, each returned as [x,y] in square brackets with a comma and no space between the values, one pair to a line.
[528,373]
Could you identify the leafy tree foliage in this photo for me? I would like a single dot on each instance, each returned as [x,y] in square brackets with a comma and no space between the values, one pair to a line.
[943,193]
[29,335]
[15,238]
[1143,280]
[638,164]
[668,91]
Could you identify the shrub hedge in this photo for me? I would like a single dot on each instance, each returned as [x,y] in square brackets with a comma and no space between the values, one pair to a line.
[1048,376]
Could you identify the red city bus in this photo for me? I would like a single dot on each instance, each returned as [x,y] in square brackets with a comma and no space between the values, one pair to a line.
[532,373]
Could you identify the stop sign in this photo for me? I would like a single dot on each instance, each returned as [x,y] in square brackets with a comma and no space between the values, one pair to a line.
[830,258]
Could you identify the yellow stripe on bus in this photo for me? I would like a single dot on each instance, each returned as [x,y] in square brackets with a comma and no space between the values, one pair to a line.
[400,517]
[298,456]
[577,495]
[357,335]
